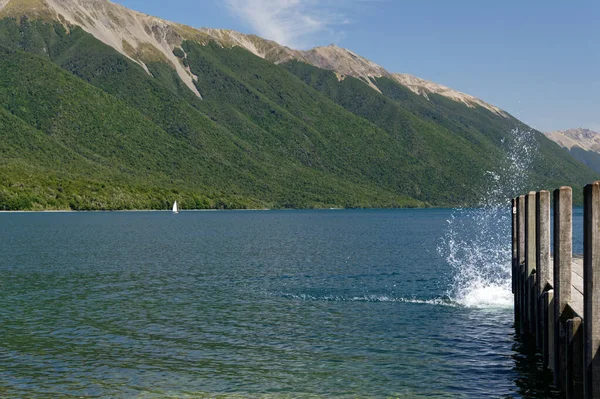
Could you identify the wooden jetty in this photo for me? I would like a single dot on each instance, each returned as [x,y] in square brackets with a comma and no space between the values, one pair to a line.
[557,295]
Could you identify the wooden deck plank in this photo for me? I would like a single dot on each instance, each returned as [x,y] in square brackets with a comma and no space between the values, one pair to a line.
[578,265]
[576,302]
[577,283]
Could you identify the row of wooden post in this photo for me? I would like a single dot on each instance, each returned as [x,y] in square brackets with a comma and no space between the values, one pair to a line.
[543,287]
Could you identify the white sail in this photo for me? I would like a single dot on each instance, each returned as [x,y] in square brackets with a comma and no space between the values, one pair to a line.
[175,208]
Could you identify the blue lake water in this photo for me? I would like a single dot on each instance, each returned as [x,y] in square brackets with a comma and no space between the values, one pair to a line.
[277,304]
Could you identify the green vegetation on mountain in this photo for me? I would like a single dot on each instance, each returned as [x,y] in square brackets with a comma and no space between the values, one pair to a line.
[84,127]
[468,139]
[587,157]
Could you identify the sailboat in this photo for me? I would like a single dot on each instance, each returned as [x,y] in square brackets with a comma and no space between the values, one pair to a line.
[175,208]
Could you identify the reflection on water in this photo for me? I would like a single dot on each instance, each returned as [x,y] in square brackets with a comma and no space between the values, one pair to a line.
[532,380]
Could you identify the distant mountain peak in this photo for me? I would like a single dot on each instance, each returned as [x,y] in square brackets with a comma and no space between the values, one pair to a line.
[579,137]
[581,133]
[345,62]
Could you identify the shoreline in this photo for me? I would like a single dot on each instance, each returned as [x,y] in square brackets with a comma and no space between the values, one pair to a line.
[228,210]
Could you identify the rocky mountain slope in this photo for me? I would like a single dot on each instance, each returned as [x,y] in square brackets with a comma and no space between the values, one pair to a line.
[584,145]
[585,139]
[102,107]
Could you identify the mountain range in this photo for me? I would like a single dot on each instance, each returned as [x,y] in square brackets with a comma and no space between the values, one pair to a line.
[102,107]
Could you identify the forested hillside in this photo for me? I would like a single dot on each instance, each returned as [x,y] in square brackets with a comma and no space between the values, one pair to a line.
[84,127]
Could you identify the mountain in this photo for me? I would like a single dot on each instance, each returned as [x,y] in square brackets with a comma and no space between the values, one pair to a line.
[584,145]
[143,38]
[102,107]
[583,138]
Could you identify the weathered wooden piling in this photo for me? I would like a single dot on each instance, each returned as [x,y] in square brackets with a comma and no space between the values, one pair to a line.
[548,347]
[530,267]
[574,370]
[557,298]
[563,259]
[521,261]
[591,288]
[542,261]
[514,244]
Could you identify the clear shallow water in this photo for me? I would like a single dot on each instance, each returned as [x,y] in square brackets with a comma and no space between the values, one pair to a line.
[251,304]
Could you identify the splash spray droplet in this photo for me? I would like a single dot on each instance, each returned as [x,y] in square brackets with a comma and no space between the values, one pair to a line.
[476,243]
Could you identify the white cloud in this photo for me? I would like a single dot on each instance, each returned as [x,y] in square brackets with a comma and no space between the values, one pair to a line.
[296,23]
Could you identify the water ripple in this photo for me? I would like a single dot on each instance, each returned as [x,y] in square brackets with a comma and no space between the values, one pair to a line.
[208,305]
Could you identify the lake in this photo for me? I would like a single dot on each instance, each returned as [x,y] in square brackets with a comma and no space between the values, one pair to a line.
[247,304]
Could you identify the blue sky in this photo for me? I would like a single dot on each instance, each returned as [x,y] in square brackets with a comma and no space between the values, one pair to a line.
[538,60]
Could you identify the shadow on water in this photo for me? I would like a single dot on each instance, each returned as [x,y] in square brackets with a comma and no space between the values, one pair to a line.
[532,381]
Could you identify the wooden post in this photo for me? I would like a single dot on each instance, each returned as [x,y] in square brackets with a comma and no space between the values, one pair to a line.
[532,301]
[591,289]
[513,211]
[515,243]
[521,229]
[521,261]
[574,359]
[530,250]
[522,313]
[563,258]
[542,259]
[548,350]
[543,241]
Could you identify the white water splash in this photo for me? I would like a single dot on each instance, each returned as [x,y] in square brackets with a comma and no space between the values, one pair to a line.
[476,243]
[368,298]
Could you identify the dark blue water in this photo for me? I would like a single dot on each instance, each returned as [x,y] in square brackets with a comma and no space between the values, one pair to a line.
[248,304]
